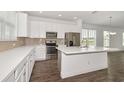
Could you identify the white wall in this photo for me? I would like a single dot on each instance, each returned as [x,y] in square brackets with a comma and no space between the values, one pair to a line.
[116,41]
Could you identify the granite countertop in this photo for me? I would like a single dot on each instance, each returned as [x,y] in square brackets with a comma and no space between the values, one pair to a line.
[10,59]
[79,50]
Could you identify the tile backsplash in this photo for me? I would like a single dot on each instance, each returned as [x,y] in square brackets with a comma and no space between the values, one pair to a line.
[36,41]
[5,45]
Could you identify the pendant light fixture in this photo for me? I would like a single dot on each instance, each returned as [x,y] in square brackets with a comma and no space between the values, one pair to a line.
[110,21]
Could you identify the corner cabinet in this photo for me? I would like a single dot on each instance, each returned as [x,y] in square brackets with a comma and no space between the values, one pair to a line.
[22,24]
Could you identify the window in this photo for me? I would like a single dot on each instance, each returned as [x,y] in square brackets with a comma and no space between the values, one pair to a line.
[123,39]
[106,39]
[88,37]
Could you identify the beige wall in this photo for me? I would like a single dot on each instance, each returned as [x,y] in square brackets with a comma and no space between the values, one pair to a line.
[5,45]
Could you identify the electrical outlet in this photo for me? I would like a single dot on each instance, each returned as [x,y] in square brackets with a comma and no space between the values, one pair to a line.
[13,44]
[40,39]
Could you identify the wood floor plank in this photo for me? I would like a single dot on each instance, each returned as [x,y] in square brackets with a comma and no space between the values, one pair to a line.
[46,71]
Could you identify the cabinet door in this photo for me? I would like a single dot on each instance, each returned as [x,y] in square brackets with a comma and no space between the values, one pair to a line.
[42,30]
[60,30]
[22,76]
[22,25]
[43,54]
[8,26]
[3,15]
[98,61]
[35,29]
[11,78]
[31,64]
[54,27]
[27,71]
[48,27]
[40,52]
[11,17]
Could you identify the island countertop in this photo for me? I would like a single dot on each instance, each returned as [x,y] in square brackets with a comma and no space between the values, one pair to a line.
[79,50]
[10,59]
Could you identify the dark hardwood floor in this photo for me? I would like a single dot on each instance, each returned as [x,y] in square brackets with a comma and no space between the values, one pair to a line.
[46,71]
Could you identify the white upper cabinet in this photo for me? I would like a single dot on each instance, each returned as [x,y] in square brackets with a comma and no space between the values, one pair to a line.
[11,17]
[22,25]
[8,17]
[35,29]
[38,28]
[54,27]
[51,27]
[42,30]
[48,27]
[3,15]
[60,31]
[8,31]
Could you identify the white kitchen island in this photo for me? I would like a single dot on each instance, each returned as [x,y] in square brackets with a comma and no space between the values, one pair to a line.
[75,60]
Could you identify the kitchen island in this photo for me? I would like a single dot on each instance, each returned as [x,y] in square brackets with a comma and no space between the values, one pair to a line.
[74,61]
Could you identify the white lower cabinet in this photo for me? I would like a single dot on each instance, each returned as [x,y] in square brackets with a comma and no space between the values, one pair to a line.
[40,52]
[22,73]
[27,71]
[76,64]
[11,78]
[22,76]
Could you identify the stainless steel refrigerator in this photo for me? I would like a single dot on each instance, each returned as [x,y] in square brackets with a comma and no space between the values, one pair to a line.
[72,39]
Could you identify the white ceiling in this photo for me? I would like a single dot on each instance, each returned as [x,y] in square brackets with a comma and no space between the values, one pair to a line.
[99,17]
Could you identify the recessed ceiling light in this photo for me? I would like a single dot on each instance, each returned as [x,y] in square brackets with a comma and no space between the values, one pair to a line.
[60,15]
[75,17]
[41,11]
[94,12]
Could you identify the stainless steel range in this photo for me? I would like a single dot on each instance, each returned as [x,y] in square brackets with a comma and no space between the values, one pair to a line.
[51,45]
[51,49]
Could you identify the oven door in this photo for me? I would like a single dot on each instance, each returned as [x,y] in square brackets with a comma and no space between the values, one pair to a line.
[51,50]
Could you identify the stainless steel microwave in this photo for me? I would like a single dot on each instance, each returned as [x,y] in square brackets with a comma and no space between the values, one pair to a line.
[51,35]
